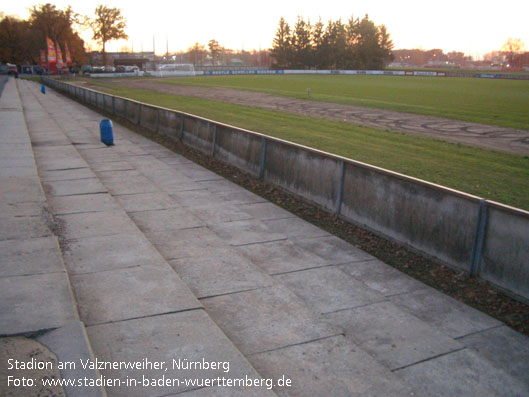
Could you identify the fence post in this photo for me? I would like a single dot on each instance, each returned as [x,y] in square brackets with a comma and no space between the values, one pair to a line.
[181,133]
[262,160]
[339,198]
[479,239]
[139,114]
[157,128]
[113,105]
[213,140]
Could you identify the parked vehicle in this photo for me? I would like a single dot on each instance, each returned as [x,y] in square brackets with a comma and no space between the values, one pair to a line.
[12,69]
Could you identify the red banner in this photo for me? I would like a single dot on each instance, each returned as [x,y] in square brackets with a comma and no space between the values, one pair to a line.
[52,55]
[60,63]
[43,61]
[67,56]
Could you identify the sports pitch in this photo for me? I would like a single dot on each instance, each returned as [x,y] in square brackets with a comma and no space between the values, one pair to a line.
[493,175]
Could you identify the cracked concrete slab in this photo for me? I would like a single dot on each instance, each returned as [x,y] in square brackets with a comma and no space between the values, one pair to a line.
[104,223]
[332,366]
[165,220]
[332,249]
[187,336]
[266,319]
[221,271]
[35,302]
[77,204]
[462,373]
[313,286]
[132,292]
[382,278]
[453,318]
[280,256]
[100,253]
[394,337]
[30,256]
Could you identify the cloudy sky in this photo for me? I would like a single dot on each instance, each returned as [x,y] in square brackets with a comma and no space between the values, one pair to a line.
[473,27]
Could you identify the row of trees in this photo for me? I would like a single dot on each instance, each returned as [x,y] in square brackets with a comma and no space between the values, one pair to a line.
[357,44]
[22,40]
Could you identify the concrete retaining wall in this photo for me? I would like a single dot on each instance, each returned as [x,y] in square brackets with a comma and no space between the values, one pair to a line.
[468,233]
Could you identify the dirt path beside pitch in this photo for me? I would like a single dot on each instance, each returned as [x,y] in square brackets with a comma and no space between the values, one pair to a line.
[508,140]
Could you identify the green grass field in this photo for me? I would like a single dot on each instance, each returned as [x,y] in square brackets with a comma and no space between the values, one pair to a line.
[488,101]
[492,175]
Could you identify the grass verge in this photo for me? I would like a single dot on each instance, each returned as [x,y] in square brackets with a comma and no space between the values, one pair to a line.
[499,102]
[492,175]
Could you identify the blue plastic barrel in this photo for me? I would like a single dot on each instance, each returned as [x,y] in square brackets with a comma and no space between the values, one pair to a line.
[43,89]
[107,134]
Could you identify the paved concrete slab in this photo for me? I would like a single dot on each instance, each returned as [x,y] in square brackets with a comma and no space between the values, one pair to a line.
[22,172]
[186,243]
[332,366]
[20,190]
[110,166]
[187,336]
[24,227]
[382,278]
[280,256]
[146,202]
[105,223]
[16,162]
[394,337]
[462,373]
[100,253]
[453,318]
[35,302]
[73,186]
[504,348]
[332,249]
[165,220]
[64,175]
[246,232]
[328,289]
[77,204]
[266,211]
[197,172]
[241,197]
[266,319]
[99,155]
[31,256]
[70,344]
[221,271]
[219,185]
[195,198]
[295,227]
[127,182]
[219,213]
[31,208]
[133,292]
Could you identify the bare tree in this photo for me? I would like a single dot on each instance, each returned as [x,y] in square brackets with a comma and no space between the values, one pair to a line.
[108,25]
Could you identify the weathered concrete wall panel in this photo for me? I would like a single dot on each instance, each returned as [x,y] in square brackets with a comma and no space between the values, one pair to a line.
[198,133]
[238,148]
[505,260]
[433,220]
[311,175]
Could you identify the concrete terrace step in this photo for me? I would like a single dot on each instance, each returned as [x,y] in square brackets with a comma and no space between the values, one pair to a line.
[293,299]
[133,304]
[38,313]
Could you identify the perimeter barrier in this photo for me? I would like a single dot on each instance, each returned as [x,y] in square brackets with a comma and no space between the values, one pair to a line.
[480,237]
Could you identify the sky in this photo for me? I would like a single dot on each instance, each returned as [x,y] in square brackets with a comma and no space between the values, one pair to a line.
[469,26]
